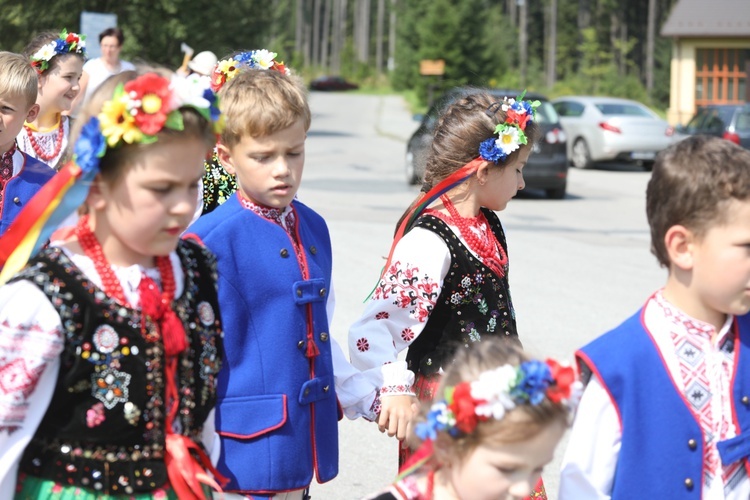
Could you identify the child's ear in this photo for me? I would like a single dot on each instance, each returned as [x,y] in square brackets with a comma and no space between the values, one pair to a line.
[33,113]
[483,172]
[97,197]
[225,157]
[680,244]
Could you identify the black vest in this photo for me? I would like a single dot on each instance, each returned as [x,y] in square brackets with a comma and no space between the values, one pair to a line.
[104,428]
[474,302]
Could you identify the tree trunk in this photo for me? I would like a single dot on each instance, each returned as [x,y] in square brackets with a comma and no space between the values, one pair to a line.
[552,45]
[336,38]
[523,41]
[363,33]
[325,40]
[650,34]
[392,38]
[316,33]
[379,37]
[299,26]
[307,47]
[513,12]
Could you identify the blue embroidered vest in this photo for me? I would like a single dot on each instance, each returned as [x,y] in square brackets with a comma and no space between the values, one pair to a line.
[277,412]
[662,442]
[20,189]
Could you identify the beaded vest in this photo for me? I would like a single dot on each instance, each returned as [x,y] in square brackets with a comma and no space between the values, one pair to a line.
[474,302]
[104,428]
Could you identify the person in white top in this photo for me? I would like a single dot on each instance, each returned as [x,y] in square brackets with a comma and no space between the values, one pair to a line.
[95,71]
[111,339]
[666,413]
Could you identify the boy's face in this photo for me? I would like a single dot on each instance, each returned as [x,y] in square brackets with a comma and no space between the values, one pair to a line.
[268,168]
[14,110]
[721,263]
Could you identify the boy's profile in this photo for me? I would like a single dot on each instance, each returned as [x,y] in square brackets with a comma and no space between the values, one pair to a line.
[277,411]
[666,413]
[21,176]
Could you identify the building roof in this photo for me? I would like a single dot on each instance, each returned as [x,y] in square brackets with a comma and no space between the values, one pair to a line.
[708,18]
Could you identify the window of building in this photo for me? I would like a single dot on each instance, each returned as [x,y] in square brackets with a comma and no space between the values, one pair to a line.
[720,76]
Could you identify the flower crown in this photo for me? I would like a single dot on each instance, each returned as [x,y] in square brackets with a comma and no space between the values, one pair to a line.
[227,69]
[141,108]
[65,43]
[497,391]
[510,134]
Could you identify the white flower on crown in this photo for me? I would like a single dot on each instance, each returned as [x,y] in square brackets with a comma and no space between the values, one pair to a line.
[508,140]
[494,386]
[507,103]
[45,53]
[189,91]
[264,58]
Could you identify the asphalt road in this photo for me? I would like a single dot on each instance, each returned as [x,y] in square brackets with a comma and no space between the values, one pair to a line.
[578,266]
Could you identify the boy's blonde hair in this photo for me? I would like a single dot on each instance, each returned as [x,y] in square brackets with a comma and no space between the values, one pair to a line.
[18,77]
[258,103]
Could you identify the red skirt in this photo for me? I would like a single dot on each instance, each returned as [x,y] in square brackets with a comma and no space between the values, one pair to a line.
[425,387]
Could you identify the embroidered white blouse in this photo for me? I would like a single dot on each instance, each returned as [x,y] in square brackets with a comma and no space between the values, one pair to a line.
[31,341]
[701,365]
[46,140]
[392,321]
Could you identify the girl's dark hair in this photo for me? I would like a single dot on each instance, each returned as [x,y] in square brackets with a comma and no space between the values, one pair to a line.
[40,40]
[462,126]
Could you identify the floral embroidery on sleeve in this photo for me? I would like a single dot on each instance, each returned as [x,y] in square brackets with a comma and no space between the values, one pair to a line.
[408,291]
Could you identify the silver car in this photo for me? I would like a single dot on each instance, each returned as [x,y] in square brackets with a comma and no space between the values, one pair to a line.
[603,129]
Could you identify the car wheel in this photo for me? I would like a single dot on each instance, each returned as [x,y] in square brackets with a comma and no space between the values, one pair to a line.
[581,156]
[411,175]
[556,193]
[648,166]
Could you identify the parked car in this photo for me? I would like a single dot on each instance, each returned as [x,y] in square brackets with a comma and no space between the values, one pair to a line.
[332,83]
[547,167]
[601,129]
[730,121]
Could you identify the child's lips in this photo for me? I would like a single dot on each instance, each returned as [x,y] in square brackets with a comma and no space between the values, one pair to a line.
[174,230]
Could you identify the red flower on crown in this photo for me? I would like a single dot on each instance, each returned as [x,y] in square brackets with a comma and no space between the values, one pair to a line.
[513,117]
[464,408]
[563,377]
[152,94]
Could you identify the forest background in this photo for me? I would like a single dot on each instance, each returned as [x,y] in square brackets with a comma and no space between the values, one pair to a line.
[557,47]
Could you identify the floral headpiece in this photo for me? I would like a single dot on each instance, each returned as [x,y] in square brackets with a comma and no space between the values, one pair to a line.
[510,134]
[227,69]
[498,391]
[66,43]
[140,108]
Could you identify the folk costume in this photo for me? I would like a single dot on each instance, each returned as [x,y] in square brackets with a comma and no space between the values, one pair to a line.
[217,184]
[21,176]
[84,407]
[670,410]
[46,145]
[277,405]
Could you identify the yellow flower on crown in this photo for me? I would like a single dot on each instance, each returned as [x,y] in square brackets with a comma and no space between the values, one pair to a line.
[229,67]
[117,123]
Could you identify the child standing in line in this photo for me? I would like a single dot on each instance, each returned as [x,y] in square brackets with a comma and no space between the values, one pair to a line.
[278,403]
[21,176]
[110,341]
[58,59]
[496,421]
[666,412]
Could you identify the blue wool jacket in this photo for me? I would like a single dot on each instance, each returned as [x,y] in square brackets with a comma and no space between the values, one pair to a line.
[277,412]
[662,442]
[21,188]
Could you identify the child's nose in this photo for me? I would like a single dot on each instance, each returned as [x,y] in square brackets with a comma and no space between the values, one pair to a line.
[521,183]
[281,167]
[521,488]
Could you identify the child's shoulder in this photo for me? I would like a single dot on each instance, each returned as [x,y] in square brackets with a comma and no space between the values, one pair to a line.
[221,219]
[35,167]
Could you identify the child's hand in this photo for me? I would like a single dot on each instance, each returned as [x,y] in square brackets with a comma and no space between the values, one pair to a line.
[397,414]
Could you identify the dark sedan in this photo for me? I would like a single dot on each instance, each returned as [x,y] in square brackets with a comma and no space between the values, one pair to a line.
[730,121]
[547,168]
[332,83]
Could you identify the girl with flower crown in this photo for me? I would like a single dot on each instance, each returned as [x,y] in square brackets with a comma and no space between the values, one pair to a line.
[495,422]
[58,59]
[110,341]
[445,283]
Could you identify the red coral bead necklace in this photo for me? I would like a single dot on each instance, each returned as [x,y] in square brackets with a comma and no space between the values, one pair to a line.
[487,248]
[40,153]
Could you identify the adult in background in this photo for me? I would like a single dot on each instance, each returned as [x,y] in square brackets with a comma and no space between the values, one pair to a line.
[95,71]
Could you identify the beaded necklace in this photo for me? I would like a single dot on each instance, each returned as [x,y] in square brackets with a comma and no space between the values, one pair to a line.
[152,305]
[40,153]
[488,249]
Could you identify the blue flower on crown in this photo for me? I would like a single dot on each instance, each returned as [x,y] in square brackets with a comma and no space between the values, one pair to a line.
[534,378]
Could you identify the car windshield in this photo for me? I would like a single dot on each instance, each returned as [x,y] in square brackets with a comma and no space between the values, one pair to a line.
[622,109]
[546,114]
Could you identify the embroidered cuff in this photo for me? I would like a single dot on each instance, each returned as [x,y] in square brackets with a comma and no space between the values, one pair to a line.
[397,379]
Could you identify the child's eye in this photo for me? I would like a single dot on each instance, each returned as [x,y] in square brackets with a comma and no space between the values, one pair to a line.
[160,189]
